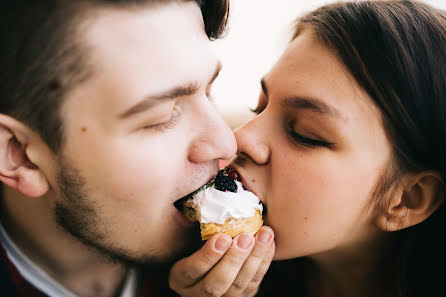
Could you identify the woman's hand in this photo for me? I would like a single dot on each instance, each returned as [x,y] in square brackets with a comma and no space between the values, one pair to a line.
[225,266]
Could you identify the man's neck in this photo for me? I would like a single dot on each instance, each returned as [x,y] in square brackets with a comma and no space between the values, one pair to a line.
[31,225]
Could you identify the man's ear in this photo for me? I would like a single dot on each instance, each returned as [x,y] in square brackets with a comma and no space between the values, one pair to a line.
[17,169]
[414,200]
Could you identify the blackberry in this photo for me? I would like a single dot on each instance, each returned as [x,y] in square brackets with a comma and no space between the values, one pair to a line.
[225,183]
[232,174]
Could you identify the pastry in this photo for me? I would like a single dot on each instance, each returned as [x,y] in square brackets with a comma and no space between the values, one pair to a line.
[224,206]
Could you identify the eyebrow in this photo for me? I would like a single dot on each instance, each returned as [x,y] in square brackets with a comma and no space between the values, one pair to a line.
[178,91]
[313,104]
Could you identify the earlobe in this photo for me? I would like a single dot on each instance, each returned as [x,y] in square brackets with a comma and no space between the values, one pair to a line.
[16,170]
[417,197]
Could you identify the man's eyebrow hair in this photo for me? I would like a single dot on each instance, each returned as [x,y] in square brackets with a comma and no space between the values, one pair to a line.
[152,100]
[313,104]
[175,92]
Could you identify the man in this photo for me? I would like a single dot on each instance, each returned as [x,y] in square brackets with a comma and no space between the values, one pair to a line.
[105,122]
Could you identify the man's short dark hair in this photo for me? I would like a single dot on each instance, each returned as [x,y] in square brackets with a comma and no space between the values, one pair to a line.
[41,58]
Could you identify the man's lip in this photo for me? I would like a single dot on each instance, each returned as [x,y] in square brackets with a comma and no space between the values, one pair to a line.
[177,203]
[182,218]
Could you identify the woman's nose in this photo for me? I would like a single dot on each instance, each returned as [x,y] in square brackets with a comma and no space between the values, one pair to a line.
[251,141]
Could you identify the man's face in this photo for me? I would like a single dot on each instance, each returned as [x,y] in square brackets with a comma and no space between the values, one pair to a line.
[141,133]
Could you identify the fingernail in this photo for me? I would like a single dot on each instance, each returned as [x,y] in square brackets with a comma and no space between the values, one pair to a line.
[263,236]
[222,243]
[244,241]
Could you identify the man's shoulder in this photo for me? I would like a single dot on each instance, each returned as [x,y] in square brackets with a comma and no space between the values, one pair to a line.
[12,283]
[152,281]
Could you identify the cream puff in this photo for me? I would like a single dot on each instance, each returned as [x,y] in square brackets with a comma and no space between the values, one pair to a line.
[224,206]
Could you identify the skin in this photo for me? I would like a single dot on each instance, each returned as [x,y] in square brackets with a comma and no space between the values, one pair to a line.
[140,183]
[318,192]
[140,134]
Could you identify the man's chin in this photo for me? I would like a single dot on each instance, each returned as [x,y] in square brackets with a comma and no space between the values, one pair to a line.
[173,249]
[162,252]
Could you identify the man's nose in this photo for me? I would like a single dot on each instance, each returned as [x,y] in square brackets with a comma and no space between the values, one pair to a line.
[214,139]
[251,142]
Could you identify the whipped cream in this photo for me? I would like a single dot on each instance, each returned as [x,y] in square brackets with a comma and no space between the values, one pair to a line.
[216,206]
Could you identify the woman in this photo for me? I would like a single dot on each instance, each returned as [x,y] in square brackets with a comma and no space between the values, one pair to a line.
[347,152]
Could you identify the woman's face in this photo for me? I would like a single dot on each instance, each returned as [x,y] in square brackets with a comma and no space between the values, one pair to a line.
[314,152]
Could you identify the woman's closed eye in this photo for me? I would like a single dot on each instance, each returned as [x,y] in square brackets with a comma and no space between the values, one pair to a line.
[307,141]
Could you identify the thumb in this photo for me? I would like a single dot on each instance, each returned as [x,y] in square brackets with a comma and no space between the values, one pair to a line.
[189,270]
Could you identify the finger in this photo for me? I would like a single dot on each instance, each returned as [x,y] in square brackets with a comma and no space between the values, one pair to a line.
[220,278]
[254,262]
[253,286]
[191,269]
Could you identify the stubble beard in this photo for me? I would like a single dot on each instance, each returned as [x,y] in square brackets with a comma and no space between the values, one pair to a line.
[77,214]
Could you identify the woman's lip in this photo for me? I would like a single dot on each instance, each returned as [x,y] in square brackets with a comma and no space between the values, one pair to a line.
[248,188]
[243,181]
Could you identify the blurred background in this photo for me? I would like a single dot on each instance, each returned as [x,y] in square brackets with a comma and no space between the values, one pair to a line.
[258,32]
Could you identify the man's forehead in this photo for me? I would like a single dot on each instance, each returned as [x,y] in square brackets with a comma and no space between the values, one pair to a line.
[141,54]
[114,22]
[131,40]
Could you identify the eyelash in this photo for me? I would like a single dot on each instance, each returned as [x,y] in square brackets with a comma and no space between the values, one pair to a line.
[308,142]
[209,94]
[165,125]
[257,111]
[305,141]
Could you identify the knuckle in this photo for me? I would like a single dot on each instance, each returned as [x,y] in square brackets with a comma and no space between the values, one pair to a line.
[207,259]
[239,285]
[209,291]
[187,276]
[256,280]
[258,254]
[233,260]
[180,278]
[265,262]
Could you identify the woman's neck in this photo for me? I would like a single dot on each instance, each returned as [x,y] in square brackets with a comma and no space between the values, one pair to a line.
[365,269]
